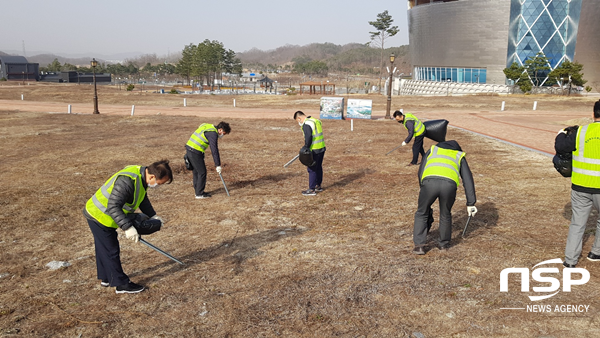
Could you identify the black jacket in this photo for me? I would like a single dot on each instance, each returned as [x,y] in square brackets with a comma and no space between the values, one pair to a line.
[567,143]
[213,142]
[124,192]
[465,171]
[410,126]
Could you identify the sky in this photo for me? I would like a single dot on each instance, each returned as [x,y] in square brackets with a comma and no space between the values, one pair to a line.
[76,28]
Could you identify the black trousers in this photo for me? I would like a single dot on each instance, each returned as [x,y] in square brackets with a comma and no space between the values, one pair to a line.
[108,259]
[315,173]
[199,172]
[432,189]
[417,149]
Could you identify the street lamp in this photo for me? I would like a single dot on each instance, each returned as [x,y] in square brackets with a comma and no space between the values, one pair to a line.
[448,88]
[389,93]
[94,63]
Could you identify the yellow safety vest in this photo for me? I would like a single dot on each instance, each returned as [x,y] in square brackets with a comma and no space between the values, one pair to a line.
[198,141]
[586,157]
[444,163]
[96,206]
[318,141]
[419,127]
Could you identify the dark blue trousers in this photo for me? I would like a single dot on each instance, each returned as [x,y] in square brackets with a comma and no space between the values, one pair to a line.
[108,259]
[315,173]
[417,149]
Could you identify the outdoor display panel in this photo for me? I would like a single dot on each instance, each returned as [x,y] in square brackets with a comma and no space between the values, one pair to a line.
[359,109]
[332,108]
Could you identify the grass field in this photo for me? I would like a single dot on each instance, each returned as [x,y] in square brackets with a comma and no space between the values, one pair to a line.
[268,261]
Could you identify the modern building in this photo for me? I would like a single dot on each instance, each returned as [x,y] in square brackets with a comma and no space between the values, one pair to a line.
[472,41]
[17,68]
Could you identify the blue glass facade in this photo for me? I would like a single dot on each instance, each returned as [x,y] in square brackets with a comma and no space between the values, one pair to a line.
[547,26]
[443,74]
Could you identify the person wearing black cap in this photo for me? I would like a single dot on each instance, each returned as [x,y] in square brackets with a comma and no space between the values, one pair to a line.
[439,176]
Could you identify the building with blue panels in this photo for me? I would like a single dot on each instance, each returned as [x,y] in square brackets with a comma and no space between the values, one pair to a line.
[472,41]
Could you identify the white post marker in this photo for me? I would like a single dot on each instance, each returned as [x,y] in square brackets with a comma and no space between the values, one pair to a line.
[534,105]
[69,110]
[185,102]
[233,103]
[21,97]
[351,124]
[132,109]
[502,108]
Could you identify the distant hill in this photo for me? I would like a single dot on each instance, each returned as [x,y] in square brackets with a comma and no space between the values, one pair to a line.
[353,57]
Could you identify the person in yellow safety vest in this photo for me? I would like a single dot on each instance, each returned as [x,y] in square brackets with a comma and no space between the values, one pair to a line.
[111,207]
[315,142]
[585,185]
[439,176]
[415,128]
[206,135]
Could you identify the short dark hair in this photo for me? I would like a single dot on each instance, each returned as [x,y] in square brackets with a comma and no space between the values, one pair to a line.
[597,109]
[161,169]
[398,113]
[298,113]
[225,126]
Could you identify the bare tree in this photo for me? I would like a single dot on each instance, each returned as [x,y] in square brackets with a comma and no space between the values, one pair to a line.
[384,30]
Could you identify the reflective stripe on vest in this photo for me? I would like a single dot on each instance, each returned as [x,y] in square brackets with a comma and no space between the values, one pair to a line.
[198,141]
[419,127]
[444,163]
[96,205]
[318,141]
[586,157]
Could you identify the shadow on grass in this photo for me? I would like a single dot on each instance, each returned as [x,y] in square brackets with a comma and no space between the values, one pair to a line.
[347,179]
[267,179]
[237,250]
[487,216]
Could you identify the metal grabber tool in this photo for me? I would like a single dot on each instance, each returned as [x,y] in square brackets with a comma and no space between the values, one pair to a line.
[160,251]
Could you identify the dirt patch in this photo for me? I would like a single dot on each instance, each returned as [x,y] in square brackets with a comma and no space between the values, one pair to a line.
[268,261]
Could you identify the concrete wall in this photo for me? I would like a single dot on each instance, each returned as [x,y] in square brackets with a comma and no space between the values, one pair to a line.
[587,48]
[464,33]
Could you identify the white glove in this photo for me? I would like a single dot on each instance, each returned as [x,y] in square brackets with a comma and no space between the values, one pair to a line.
[132,234]
[219,169]
[403,143]
[158,218]
[562,131]
[471,211]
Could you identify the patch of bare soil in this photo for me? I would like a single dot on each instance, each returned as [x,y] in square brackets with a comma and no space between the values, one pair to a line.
[268,261]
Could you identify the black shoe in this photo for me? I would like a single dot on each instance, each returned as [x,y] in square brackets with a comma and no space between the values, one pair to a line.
[419,250]
[129,288]
[318,188]
[104,283]
[309,192]
[411,164]
[593,258]
[444,247]
[203,195]
[567,265]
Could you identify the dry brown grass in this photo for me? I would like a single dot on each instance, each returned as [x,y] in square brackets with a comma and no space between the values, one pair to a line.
[268,261]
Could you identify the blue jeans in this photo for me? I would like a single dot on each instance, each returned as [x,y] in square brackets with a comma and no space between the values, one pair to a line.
[315,173]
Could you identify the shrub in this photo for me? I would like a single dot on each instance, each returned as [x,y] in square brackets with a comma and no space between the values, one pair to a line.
[173,91]
[130,87]
[588,89]
[3,79]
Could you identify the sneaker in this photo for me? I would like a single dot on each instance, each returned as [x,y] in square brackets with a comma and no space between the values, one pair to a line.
[104,283]
[419,250]
[593,258]
[567,265]
[309,192]
[318,188]
[203,195]
[129,288]
[444,247]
